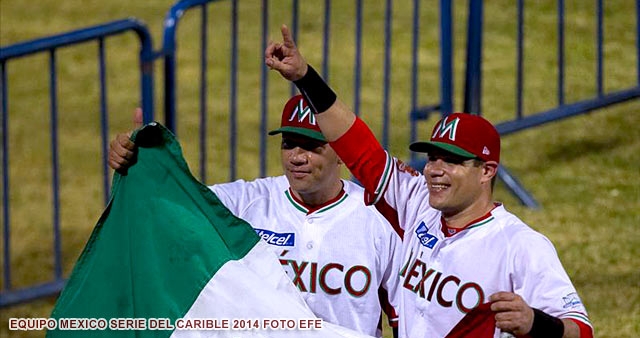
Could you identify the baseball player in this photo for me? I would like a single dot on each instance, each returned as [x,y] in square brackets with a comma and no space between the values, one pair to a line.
[337,251]
[461,250]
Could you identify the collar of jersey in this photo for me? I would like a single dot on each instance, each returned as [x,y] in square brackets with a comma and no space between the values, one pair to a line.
[300,205]
[488,217]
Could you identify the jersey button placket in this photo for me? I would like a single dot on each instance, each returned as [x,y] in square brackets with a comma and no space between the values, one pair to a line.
[308,222]
[315,231]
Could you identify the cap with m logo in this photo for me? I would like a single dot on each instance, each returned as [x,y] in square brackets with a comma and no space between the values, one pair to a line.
[297,118]
[465,135]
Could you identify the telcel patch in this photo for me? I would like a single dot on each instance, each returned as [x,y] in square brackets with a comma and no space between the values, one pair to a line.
[425,237]
[275,238]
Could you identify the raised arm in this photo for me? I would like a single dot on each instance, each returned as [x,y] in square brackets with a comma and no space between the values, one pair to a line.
[334,117]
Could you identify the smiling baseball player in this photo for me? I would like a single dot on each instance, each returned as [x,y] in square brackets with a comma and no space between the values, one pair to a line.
[462,250]
[337,251]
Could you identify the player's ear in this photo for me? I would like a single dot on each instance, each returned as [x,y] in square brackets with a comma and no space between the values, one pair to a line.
[490,169]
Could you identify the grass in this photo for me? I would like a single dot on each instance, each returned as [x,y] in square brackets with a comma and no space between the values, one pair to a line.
[583,171]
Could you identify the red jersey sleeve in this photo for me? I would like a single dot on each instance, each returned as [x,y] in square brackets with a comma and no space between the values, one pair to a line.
[366,159]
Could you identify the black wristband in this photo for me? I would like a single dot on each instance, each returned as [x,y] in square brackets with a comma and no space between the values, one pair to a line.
[546,326]
[317,93]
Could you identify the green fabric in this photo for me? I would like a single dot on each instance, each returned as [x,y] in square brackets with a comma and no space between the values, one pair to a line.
[310,133]
[160,240]
[423,147]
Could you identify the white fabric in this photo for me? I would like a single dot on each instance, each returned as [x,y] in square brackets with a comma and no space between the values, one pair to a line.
[254,288]
[334,248]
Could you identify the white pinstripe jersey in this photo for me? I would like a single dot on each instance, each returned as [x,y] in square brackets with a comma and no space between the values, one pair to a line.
[338,256]
[442,278]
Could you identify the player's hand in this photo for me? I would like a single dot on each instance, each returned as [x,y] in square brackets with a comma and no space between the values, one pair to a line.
[122,150]
[513,314]
[285,57]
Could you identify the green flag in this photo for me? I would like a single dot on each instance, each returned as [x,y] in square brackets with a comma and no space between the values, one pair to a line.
[167,258]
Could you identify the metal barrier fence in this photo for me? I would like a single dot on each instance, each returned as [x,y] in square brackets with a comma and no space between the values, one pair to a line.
[563,109]
[51,45]
[226,58]
[442,93]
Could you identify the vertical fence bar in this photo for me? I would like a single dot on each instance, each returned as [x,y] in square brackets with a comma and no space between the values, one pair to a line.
[599,42]
[415,37]
[203,93]
[104,123]
[233,116]
[560,52]
[169,50]
[473,75]
[263,94]
[446,57]
[357,78]
[387,73]
[147,59]
[325,39]
[295,8]
[519,59]
[55,163]
[638,42]
[6,231]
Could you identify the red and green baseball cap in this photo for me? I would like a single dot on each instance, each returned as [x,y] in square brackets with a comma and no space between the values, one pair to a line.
[465,135]
[297,118]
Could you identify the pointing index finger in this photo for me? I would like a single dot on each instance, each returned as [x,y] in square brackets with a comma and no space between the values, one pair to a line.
[286,37]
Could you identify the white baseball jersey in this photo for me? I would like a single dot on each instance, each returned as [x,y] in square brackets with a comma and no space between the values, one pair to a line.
[338,255]
[443,277]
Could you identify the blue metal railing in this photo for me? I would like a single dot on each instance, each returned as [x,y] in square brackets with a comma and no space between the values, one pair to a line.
[520,121]
[563,109]
[444,104]
[51,45]
[170,50]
